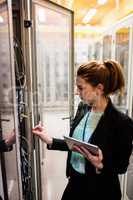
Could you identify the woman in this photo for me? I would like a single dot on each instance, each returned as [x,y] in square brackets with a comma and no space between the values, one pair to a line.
[93,177]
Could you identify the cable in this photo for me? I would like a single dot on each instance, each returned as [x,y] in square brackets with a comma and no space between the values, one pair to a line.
[19,58]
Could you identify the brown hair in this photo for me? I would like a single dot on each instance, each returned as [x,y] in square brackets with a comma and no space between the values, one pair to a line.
[109,74]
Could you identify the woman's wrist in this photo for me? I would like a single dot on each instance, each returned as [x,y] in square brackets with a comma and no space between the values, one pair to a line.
[48,140]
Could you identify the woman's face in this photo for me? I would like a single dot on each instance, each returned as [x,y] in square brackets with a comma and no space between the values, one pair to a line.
[87,92]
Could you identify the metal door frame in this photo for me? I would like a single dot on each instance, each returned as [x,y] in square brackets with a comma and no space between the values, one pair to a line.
[35,115]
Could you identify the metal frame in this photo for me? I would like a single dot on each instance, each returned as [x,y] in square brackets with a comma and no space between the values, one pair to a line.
[61,9]
[26,6]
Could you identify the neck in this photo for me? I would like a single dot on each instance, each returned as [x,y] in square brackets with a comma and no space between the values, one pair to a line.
[100,105]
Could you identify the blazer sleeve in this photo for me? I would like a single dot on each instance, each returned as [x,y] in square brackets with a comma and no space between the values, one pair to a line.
[124,151]
[58,144]
[4,147]
[118,160]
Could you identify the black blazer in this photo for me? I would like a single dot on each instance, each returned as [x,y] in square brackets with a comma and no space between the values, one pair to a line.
[113,135]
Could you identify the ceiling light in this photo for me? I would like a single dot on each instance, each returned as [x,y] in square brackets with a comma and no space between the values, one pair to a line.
[101,2]
[89,15]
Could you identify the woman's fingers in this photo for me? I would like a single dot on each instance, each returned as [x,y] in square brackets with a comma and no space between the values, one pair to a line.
[100,154]
[81,150]
[39,127]
[76,148]
[96,160]
[39,130]
[35,131]
[86,153]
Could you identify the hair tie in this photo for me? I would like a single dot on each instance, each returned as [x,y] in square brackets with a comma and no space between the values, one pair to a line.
[108,65]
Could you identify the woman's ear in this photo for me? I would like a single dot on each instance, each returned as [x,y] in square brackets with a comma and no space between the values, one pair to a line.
[100,88]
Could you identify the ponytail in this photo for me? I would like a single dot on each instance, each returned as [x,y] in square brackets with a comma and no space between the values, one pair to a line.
[109,74]
[116,78]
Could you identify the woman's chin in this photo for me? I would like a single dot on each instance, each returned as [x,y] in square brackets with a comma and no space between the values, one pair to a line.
[87,102]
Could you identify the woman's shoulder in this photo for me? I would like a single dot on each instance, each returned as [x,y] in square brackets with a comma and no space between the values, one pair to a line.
[121,118]
[117,116]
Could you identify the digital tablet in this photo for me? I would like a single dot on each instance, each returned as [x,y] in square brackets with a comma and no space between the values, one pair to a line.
[72,141]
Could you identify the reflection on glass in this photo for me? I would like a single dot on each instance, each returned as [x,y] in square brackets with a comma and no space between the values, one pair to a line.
[122,56]
[53,54]
[97,51]
[107,44]
[5,79]
[6,102]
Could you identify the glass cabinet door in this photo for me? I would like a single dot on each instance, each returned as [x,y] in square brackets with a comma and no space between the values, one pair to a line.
[122,56]
[97,50]
[122,102]
[53,40]
[107,47]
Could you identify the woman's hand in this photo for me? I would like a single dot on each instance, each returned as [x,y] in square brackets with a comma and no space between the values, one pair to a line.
[96,160]
[11,139]
[41,133]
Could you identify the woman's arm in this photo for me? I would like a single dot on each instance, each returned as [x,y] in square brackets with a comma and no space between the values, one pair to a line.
[58,144]
[52,143]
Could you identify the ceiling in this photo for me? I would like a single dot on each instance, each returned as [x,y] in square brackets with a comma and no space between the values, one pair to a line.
[108,13]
